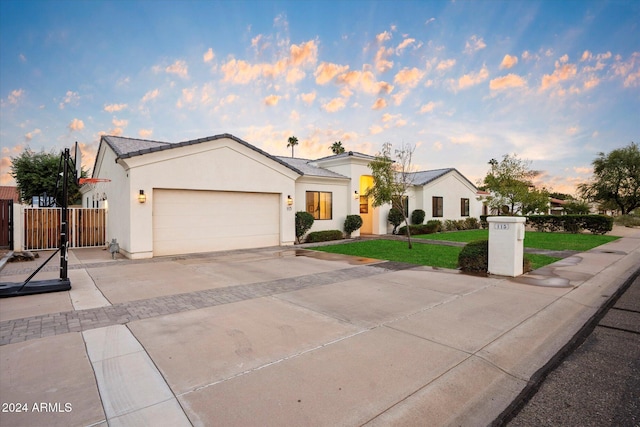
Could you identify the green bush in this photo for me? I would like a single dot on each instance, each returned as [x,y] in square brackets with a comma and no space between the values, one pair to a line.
[629,220]
[304,221]
[434,224]
[417,216]
[428,228]
[395,218]
[471,223]
[324,236]
[352,223]
[474,257]
[597,224]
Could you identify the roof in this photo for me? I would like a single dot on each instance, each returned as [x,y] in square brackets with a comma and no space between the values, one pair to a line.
[425,177]
[130,147]
[309,169]
[9,193]
[347,154]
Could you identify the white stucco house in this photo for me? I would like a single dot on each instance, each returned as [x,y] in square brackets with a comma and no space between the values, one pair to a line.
[221,193]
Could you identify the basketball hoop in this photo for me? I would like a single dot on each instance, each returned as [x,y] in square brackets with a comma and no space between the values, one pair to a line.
[96,186]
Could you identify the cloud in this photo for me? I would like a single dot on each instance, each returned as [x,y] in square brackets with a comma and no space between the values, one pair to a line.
[327,71]
[572,130]
[437,146]
[188,95]
[112,108]
[473,79]
[393,119]
[591,82]
[151,95]
[445,64]
[379,104]
[563,71]
[239,72]
[404,44]
[508,81]
[628,70]
[428,107]
[208,55]
[382,64]
[469,139]
[585,170]
[308,98]
[15,96]
[383,37]
[336,104]
[272,100]
[364,81]
[508,61]
[76,124]
[429,21]
[375,129]
[120,123]
[408,77]
[474,44]
[179,68]
[145,133]
[69,98]
[295,75]
[29,135]
[306,53]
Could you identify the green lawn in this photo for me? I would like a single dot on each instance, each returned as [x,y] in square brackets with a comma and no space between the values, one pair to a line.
[532,239]
[421,254]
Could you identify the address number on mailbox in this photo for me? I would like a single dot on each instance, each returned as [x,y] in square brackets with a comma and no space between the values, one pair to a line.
[501,226]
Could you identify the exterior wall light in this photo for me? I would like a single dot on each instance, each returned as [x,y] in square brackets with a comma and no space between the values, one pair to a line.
[142,197]
[289,201]
[356,196]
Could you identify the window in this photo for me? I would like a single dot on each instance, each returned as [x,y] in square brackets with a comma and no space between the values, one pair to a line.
[438,207]
[405,205]
[464,207]
[364,204]
[319,204]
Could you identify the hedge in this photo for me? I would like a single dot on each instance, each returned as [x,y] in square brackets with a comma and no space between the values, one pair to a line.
[428,228]
[324,236]
[597,224]
[474,258]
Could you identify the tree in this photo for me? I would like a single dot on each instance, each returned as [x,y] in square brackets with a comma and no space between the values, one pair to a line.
[304,221]
[292,142]
[391,180]
[510,183]
[616,179]
[36,174]
[337,147]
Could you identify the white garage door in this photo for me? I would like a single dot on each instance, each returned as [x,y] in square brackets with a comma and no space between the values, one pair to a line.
[187,221]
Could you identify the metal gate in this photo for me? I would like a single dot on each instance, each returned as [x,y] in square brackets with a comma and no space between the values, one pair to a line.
[87,227]
[6,224]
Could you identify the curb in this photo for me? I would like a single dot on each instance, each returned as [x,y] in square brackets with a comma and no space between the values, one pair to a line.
[4,260]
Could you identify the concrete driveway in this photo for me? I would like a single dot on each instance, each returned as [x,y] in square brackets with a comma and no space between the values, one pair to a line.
[281,336]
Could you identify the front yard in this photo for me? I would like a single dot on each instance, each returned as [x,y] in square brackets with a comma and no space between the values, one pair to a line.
[435,255]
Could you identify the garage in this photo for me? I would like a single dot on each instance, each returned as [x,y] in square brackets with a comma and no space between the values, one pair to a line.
[192,221]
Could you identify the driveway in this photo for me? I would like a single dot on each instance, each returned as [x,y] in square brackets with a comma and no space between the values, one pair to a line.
[282,336]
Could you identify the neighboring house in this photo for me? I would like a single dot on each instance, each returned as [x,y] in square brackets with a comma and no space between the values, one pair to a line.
[221,193]
[9,193]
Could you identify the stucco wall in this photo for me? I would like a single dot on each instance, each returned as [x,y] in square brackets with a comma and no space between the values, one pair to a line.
[340,202]
[451,187]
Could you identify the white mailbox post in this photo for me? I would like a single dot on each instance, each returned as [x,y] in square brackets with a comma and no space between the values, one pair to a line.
[506,245]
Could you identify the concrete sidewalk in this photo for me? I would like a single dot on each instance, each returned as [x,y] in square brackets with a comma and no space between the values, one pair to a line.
[283,336]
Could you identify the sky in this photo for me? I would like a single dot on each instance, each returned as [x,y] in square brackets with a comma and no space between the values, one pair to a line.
[553,82]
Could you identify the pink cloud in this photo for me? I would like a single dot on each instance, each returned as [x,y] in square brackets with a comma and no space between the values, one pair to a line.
[15,96]
[336,104]
[327,71]
[408,77]
[404,44]
[272,100]
[383,37]
[145,133]
[561,73]
[382,64]
[473,79]
[508,61]
[112,108]
[445,64]
[306,53]
[428,107]
[308,98]
[179,68]
[379,104]
[508,81]
[474,44]
[208,55]
[76,124]
[152,94]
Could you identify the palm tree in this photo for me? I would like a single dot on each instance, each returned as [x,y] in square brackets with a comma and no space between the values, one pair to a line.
[337,148]
[292,142]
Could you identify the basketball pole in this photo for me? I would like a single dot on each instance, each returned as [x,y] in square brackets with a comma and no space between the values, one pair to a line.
[64,238]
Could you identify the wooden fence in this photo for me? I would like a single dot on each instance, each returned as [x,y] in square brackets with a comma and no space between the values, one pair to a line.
[87,228]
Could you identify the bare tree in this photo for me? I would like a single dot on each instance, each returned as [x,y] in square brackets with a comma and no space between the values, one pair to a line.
[392,179]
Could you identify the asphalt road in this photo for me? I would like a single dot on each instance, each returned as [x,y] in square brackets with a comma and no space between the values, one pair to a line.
[599,383]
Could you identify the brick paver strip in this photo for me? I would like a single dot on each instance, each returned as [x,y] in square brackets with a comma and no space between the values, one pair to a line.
[28,328]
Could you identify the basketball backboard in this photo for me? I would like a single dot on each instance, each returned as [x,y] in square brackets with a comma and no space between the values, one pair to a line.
[77,161]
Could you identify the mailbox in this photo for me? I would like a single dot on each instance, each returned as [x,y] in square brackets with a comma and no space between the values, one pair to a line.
[506,245]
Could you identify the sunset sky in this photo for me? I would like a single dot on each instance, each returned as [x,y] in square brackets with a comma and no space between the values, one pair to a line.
[555,82]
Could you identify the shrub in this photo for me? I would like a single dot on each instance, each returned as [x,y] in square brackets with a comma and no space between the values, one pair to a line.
[324,236]
[629,220]
[304,221]
[434,224]
[471,223]
[597,224]
[352,223]
[417,216]
[483,221]
[419,229]
[395,218]
[474,257]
